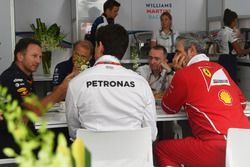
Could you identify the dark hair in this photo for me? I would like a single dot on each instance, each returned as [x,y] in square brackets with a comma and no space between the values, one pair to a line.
[114,38]
[229,17]
[160,47]
[109,4]
[23,44]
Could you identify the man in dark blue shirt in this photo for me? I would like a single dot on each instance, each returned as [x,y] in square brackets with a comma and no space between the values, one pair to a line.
[110,11]
[19,81]
[82,52]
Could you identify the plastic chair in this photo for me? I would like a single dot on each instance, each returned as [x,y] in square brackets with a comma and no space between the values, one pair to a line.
[238,148]
[128,148]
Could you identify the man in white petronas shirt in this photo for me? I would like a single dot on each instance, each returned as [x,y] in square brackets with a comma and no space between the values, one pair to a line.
[108,96]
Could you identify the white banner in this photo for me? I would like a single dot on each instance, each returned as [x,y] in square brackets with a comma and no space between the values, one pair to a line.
[146,14]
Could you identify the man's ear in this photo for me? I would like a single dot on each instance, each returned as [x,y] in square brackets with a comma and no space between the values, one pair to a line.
[20,56]
[101,47]
[99,50]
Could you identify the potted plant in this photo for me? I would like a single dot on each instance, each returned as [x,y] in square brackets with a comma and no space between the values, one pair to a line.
[50,39]
[37,150]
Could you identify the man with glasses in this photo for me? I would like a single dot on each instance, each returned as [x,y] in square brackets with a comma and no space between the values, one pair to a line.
[158,73]
[82,52]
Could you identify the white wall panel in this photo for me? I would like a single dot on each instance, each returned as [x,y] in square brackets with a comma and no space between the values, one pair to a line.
[241,7]
[188,15]
[50,11]
[124,17]
[146,13]
[7,34]
[196,15]
[214,8]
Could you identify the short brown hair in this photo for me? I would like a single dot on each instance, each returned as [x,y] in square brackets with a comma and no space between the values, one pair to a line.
[23,44]
[109,4]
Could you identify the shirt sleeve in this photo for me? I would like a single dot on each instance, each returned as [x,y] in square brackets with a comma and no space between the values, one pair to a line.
[175,95]
[150,113]
[142,71]
[72,114]
[233,37]
[243,101]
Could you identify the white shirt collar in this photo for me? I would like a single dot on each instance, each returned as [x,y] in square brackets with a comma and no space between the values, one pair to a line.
[107,58]
[198,58]
[228,28]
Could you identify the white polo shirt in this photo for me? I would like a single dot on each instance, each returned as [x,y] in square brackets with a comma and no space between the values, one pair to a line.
[159,83]
[109,97]
[225,35]
[161,38]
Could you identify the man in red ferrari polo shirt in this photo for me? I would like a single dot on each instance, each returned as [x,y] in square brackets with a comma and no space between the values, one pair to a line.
[212,101]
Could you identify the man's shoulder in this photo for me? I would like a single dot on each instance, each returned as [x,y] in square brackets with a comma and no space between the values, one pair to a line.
[98,20]
[96,71]
[144,68]
[200,67]
[8,74]
[65,65]
[136,75]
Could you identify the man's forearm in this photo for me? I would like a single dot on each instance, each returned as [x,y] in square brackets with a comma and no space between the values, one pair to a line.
[56,96]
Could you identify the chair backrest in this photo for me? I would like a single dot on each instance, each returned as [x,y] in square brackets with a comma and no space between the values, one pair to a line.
[128,148]
[238,148]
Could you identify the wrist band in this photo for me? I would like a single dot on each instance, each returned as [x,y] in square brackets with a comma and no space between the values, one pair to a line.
[171,72]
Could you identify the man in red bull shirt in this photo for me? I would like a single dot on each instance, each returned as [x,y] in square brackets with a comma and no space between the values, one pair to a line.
[212,101]
[18,78]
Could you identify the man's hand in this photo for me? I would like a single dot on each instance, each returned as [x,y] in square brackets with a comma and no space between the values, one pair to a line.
[64,85]
[76,70]
[166,66]
[59,93]
[179,62]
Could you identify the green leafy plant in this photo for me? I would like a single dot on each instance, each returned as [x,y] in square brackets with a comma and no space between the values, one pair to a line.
[134,56]
[37,150]
[50,37]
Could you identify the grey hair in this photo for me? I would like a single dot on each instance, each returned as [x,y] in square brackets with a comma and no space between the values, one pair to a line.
[190,39]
